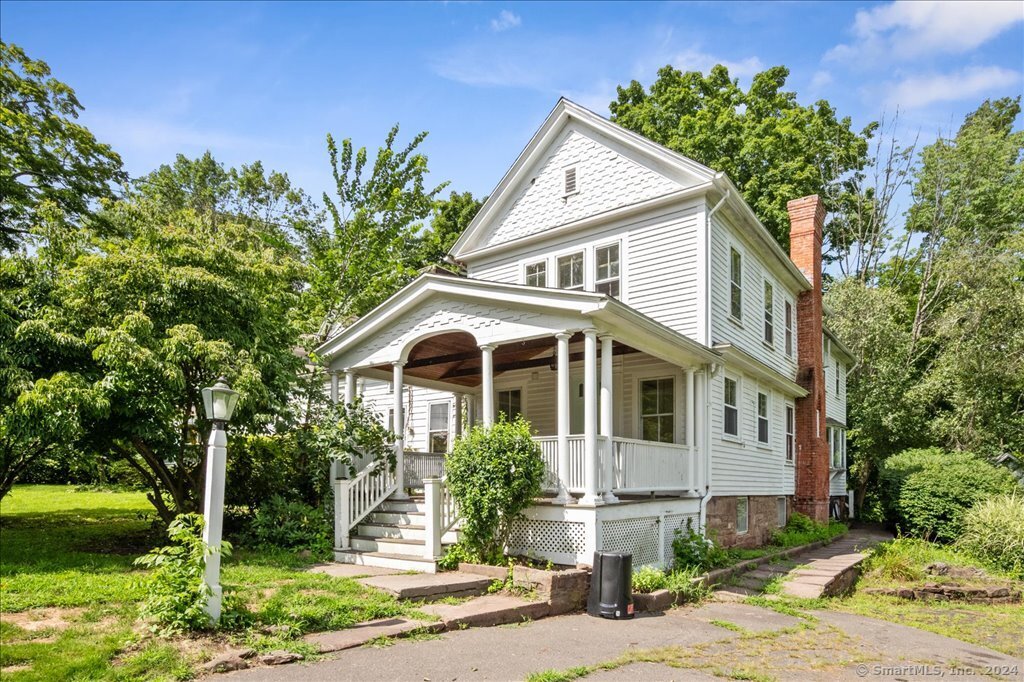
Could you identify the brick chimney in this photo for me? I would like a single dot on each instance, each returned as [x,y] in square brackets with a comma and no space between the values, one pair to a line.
[807,220]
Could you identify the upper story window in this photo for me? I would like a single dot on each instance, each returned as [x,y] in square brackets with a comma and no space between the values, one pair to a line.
[570,181]
[789,329]
[762,417]
[731,405]
[736,284]
[769,313]
[537,274]
[510,403]
[607,279]
[839,369]
[790,433]
[438,427]
[836,445]
[657,410]
[570,271]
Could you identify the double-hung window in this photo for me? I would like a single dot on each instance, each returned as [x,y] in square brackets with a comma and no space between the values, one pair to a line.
[570,271]
[657,410]
[607,279]
[742,515]
[736,284]
[731,405]
[510,403]
[437,433]
[839,368]
[836,445]
[537,274]
[769,313]
[790,433]
[789,329]
[762,418]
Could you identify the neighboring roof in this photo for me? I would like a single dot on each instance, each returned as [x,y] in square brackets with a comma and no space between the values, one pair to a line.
[837,344]
[740,359]
[627,325]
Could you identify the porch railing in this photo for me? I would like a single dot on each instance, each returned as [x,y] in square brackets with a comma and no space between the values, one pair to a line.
[640,466]
[577,462]
[419,466]
[441,517]
[357,497]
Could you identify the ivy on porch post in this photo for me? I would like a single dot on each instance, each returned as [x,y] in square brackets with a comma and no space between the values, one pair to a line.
[563,496]
[399,426]
[487,386]
[590,496]
[607,430]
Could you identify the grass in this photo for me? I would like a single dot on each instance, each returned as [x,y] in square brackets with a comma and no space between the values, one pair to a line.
[69,593]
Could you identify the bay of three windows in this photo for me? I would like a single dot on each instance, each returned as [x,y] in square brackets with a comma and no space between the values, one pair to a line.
[570,271]
[731,417]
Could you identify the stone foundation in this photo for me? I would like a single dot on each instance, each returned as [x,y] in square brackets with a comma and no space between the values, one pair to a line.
[762,520]
[564,591]
[937,592]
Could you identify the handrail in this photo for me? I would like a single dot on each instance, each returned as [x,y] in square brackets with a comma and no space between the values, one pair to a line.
[442,514]
[355,498]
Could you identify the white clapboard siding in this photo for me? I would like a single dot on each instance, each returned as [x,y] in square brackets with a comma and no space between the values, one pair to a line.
[835,404]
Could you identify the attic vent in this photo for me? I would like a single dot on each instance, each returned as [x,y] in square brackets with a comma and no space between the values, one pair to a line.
[570,180]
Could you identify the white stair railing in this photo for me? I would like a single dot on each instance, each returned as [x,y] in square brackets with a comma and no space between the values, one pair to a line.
[442,515]
[354,498]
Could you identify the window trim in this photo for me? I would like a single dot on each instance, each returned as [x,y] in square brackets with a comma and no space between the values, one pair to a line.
[582,253]
[530,264]
[790,314]
[767,418]
[768,332]
[790,428]
[746,515]
[448,427]
[677,434]
[734,285]
[736,437]
[618,278]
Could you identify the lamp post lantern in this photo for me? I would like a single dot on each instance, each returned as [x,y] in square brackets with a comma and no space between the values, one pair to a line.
[219,401]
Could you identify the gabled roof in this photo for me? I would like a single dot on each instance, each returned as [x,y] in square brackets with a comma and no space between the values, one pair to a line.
[686,170]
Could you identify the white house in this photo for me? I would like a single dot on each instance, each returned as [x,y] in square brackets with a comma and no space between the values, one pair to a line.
[669,355]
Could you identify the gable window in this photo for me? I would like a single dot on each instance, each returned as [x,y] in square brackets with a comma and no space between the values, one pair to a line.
[730,400]
[769,314]
[789,329]
[510,403]
[437,432]
[657,410]
[570,271]
[608,270]
[570,181]
[790,433]
[742,515]
[736,284]
[762,417]
[537,274]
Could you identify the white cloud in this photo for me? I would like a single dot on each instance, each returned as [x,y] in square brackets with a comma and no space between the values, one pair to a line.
[906,29]
[505,20]
[972,82]
[695,60]
[820,79]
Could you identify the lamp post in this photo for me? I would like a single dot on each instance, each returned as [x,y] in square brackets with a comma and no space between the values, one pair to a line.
[219,401]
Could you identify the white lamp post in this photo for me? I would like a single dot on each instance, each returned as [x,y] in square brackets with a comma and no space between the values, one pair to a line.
[220,402]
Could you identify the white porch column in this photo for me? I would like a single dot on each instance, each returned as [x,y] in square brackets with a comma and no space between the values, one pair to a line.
[398,394]
[607,424]
[701,429]
[487,386]
[563,496]
[457,426]
[691,425]
[334,387]
[590,496]
[350,387]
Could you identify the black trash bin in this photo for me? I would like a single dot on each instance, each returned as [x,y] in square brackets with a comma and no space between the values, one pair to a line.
[611,586]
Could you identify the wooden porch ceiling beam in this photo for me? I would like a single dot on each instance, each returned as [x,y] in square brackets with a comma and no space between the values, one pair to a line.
[537,344]
[526,364]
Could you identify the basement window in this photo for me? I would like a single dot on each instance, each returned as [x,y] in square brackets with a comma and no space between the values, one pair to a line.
[742,515]
[780,507]
[570,181]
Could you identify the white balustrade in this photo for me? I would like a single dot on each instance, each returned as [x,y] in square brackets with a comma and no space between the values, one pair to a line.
[419,466]
[442,515]
[357,497]
[549,453]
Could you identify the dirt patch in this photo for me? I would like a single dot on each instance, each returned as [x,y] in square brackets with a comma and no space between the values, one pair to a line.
[43,619]
[11,669]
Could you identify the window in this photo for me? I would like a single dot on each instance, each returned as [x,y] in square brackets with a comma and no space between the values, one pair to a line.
[838,370]
[570,181]
[657,410]
[789,329]
[437,431]
[732,412]
[742,515]
[510,403]
[736,290]
[762,417]
[790,433]
[537,274]
[836,447]
[570,271]
[608,270]
[769,313]
[780,510]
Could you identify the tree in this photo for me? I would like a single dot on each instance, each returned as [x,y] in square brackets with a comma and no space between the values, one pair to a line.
[772,147]
[45,156]
[370,248]
[451,217]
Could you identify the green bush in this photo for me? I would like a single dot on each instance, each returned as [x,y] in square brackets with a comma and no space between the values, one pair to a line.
[803,530]
[648,579]
[926,492]
[693,550]
[993,532]
[176,593]
[494,474]
[684,584]
[291,525]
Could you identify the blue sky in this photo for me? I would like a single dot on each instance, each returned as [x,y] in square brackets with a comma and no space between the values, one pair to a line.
[269,81]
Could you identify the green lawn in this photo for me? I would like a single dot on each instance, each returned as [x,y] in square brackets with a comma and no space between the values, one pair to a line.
[69,594]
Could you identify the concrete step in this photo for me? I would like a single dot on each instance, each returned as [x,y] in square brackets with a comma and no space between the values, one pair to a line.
[400,562]
[388,545]
[426,587]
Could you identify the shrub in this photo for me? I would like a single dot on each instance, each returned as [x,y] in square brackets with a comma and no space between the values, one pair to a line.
[993,532]
[684,584]
[926,492]
[453,556]
[693,550]
[176,593]
[803,530]
[291,525]
[494,474]
[648,579]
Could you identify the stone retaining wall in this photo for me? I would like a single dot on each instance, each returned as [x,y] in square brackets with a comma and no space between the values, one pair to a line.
[950,592]
[564,591]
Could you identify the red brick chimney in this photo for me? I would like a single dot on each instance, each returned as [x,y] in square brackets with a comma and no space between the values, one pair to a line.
[807,220]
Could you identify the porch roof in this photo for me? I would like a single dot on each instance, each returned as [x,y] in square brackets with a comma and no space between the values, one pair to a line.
[736,357]
[497,313]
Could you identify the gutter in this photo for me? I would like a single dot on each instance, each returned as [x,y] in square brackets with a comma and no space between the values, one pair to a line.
[707,265]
